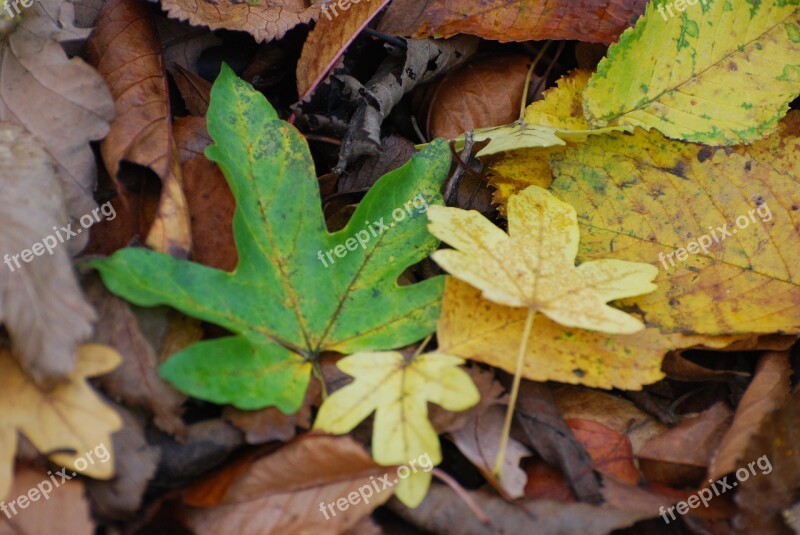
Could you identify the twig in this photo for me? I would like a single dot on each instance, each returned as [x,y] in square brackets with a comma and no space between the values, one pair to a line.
[452,186]
[445,478]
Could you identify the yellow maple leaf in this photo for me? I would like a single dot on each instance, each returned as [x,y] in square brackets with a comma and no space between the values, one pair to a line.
[533,267]
[398,391]
[69,417]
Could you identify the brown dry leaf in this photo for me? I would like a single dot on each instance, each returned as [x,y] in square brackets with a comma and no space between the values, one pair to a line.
[126,51]
[136,380]
[676,366]
[446,513]
[774,488]
[65,422]
[329,40]
[284,492]
[134,466]
[63,512]
[767,392]
[680,456]
[597,21]
[35,69]
[482,93]
[479,441]
[612,411]
[492,393]
[41,303]
[265,20]
[611,451]
[195,90]
[208,196]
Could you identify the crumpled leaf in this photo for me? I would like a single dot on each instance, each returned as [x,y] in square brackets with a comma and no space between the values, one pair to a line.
[533,266]
[329,40]
[721,72]
[71,416]
[503,20]
[41,304]
[34,69]
[644,197]
[127,53]
[283,303]
[284,492]
[266,20]
[398,391]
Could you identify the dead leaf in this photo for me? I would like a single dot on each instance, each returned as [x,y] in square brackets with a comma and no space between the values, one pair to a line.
[479,441]
[64,510]
[485,92]
[35,69]
[41,303]
[611,451]
[65,423]
[597,21]
[126,51]
[136,380]
[288,491]
[767,392]
[265,21]
[329,40]
[195,90]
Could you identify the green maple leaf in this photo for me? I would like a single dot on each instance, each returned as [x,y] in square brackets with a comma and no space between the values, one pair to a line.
[288,300]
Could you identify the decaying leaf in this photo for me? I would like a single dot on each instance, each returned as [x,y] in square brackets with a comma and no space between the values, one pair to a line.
[721,72]
[266,20]
[126,51]
[650,199]
[585,20]
[290,491]
[398,392]
[41,304]
[276,302]
[65,422]
[533,266]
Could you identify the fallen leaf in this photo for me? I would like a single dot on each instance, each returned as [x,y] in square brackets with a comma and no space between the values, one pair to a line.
[768,391]
[398,392]
[290,491]
[479,441]
[41,304]
[647,198]
[142,130]
[263,20]
[329,40]
[501,20]
[34,69]
[534,265]
[69,417]
[282,262]
[64,511]
[611,451]
[720,73]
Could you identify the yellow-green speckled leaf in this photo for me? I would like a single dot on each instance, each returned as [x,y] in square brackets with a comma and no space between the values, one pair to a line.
[646,198]
[720,72]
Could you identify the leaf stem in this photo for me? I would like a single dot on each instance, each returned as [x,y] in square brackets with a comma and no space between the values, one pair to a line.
[512,402]
[524,102]
[316,368]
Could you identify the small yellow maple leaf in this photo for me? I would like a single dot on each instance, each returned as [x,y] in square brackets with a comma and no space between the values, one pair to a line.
[534,265]
[398,391]
[69,417]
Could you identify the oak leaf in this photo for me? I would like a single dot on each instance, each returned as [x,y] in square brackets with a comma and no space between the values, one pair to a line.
[398,392]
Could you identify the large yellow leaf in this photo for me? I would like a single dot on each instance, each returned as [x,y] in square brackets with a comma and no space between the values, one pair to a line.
[398,391]
[477,329]
[717,72]
[647,198]
[533,266]
[69,417]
